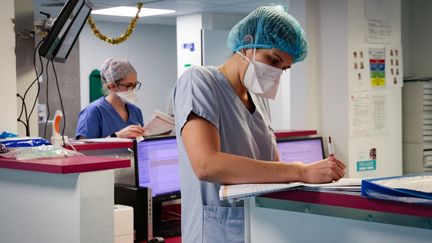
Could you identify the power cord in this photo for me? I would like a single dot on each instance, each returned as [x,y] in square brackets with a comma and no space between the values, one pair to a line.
[24,110]
[47,98]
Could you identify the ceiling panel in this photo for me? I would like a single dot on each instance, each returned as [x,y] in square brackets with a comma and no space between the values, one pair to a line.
[182,7]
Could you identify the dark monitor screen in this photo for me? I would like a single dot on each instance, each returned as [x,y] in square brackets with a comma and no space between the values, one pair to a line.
[65,30]
[306,150]
[157,166]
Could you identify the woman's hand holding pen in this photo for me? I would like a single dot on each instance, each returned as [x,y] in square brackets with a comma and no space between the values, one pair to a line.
[131,131]
[323,171]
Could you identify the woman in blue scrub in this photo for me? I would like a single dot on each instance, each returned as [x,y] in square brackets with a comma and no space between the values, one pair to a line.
[115,115]
[223,126]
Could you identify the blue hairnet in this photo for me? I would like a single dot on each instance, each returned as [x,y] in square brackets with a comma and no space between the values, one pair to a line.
[269,27]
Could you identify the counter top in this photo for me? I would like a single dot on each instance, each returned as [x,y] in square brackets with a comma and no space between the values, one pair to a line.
[74,164]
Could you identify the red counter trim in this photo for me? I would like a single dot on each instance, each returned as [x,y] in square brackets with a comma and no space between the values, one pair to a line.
[75,164]
[353,201]
[97,146]
[294,133]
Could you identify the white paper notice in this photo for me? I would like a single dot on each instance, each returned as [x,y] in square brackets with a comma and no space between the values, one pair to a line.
[369,114]
[378,19]
[360,115]
[380,113]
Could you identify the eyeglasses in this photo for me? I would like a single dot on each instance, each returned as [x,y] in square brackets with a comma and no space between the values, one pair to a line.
[129,87]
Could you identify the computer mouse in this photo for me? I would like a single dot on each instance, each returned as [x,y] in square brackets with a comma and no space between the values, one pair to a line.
[157,239]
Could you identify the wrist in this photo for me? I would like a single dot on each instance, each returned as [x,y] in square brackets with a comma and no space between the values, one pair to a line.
[301,172]
[113,135]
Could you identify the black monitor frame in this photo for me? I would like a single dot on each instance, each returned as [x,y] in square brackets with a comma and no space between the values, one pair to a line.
[294,139]
[62,37]
[160,197]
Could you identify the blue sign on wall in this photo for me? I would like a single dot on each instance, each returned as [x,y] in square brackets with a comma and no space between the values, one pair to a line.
[190,46]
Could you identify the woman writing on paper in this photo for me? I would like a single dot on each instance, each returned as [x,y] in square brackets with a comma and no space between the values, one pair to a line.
[115,115]
[223,126]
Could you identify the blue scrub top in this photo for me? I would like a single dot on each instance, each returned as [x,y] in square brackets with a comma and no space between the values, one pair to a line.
[100,119]
[207,93]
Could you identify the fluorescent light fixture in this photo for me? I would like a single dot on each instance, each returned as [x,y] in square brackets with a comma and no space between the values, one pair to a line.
[131,11]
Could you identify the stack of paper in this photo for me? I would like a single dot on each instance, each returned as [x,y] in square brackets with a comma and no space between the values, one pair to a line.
[160,123]
[246,190]
[411,189]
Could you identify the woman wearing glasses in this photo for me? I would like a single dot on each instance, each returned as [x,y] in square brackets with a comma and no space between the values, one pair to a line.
[114,115]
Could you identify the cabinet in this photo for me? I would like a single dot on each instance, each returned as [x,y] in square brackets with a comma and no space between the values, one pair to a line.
[417,125]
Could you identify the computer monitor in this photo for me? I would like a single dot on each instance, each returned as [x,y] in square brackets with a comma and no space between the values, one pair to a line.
[66,29]
[157,167]
[307,150]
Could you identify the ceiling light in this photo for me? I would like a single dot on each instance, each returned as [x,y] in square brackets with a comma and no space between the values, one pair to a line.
[131,11]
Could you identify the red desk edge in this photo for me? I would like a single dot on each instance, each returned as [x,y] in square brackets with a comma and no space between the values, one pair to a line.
[352,201]
[98,146]
[75,164]
[294,133]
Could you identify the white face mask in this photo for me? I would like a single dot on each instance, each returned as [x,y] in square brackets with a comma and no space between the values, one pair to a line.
[260,78]
[129,96]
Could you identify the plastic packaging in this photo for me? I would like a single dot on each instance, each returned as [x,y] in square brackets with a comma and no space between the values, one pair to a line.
[24,142]
[4,135]
[40,152]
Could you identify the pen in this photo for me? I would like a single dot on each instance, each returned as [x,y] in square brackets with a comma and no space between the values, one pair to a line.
[330,147]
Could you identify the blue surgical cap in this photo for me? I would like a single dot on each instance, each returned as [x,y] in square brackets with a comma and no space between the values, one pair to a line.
[269,27]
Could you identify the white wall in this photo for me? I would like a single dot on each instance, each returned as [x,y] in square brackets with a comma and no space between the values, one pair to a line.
[342,30]
[304,96]
[151,50]
[188,32]
[8,107]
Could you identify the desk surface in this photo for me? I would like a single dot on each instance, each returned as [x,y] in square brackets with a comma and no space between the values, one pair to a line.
[75,164]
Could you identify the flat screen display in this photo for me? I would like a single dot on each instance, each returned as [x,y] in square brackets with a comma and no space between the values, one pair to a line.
[157,165]
[65,30]
[306,150]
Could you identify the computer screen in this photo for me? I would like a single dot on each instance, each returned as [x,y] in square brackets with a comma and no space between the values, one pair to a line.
[306,150]
[66,29]
[157,166]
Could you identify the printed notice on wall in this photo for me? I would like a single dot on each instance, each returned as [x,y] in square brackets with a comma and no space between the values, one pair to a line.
[379,20]
[360,115]
[359,70]
[377,67]
[366,158]
[380,105]
[368,114]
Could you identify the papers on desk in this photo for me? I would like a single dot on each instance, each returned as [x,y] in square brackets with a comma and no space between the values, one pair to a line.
[241,191]
[410,189]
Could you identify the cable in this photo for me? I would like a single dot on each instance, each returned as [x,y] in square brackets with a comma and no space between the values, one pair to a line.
[27,115]
[46,94]
[37,76]
[61,101]
[22,109]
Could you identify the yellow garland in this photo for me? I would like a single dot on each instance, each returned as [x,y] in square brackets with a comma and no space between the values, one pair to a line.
[120,39]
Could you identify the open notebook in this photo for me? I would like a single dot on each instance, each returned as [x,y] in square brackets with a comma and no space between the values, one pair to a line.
[241,191]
